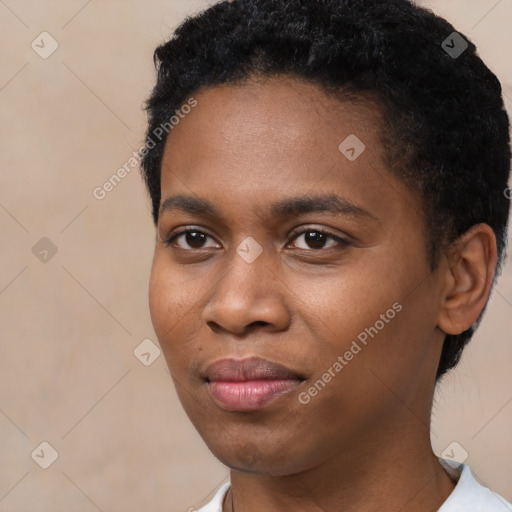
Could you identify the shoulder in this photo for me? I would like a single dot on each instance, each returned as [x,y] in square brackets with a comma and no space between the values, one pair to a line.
[471,496]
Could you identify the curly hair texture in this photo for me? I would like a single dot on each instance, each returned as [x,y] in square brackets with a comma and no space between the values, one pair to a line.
[445,130]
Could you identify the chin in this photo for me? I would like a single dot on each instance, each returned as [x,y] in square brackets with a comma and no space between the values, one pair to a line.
[250,458]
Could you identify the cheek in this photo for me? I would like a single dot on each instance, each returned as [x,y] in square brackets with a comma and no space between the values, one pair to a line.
[167,304]
[351,301]
[395,332]
[170,296]
[175,305]
[159,295]
[370,310]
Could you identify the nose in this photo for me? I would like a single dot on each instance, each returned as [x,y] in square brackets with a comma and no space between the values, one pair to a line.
[249,295]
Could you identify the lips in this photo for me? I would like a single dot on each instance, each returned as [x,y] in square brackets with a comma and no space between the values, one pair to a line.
[253,368]
[249,384]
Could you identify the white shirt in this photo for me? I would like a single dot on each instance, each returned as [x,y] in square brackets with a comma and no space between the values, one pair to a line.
[467,496]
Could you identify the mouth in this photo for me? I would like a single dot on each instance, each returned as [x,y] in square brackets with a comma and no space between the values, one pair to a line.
[249,384]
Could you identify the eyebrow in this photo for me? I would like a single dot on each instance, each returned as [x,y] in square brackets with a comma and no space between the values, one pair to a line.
[330,203]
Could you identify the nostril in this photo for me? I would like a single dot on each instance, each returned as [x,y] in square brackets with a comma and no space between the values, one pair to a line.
[259,322]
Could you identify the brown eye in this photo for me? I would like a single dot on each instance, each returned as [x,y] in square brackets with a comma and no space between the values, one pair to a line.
[316,239]
[195,239]
[189,239]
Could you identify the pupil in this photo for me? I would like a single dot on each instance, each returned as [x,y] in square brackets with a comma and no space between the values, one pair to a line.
[315,237]
[194,238]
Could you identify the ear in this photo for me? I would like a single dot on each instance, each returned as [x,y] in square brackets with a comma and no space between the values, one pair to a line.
[471,263]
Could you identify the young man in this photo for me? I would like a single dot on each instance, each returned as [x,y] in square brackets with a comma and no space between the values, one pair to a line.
[328,181]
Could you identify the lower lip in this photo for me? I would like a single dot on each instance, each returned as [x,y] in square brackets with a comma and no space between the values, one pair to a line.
[249,395]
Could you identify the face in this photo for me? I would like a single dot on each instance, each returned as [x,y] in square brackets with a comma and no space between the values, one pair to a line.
[290,290]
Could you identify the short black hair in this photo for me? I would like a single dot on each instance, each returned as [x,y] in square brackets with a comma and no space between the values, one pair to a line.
[445,133]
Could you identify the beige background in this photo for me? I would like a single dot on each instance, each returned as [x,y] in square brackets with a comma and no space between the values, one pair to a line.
[69,326]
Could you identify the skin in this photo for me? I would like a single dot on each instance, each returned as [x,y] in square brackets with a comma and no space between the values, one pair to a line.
[363,442]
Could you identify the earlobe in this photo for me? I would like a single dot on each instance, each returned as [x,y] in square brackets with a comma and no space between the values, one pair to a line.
[469,274]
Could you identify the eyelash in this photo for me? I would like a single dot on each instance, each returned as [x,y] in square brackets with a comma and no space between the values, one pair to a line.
[294,235]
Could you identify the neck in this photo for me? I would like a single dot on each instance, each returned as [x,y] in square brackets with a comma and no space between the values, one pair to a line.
[404,474]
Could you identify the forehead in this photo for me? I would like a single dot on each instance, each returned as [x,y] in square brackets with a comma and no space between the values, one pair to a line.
[271,138]
[279,107]
[272,123]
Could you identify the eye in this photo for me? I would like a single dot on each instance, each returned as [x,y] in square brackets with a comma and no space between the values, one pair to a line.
[315,239]
[194,238]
